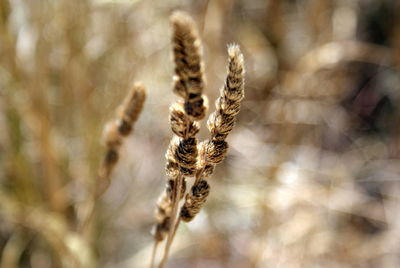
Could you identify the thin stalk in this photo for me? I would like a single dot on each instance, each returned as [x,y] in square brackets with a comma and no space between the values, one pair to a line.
[199,175]
[153,254]
[176,228]
[173,218]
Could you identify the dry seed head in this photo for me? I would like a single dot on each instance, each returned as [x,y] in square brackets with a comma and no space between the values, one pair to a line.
[226,105]
[115,131]
[196,106]
[181,125]
[111,135]
[234,86]
[111,157]
[186,44]
[208,170]
[172,168]
[131,108]
[109,161]
[222,121]
[179,86]
[216,151]
[220,125]
[185,154]
[163,216]
[202,165]
[163,206]
[195,200]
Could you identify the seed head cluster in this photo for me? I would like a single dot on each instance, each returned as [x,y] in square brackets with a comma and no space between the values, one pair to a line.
[220,124]
[195,200]
[186,157]
[182,152]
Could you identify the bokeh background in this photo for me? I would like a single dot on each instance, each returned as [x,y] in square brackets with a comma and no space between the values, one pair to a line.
[312,175]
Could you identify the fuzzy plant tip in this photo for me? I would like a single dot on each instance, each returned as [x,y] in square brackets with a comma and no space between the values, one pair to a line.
[181,18]
[235,52]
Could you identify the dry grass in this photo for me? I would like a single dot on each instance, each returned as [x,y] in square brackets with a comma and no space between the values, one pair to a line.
[311,177]
[185,156]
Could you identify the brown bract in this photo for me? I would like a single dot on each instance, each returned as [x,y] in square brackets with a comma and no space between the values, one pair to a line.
[195,200]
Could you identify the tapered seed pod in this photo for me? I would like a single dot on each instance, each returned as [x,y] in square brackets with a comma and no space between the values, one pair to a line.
[189,73]
[130,109]
[186,155]
[222,121]
[220,124]
[115,131]
[163,216]
[216,151]
[181,124]
[195,200]
[187,55]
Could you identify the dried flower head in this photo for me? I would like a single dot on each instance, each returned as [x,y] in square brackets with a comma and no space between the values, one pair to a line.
[131,108]
[181,124]
[163,216]
[116,130]
[189,74]
[222,121]
[186,155]
[195,200]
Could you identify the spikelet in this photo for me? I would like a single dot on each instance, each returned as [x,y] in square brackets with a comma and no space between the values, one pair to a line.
[196,107]
[203,166]
[216,151]
[181,124]
[195,200]
[164,209]
[163,216]
[130,109]
[222,121]
[182,156]
[115,131]
[186,155]
[172,168]
[187,55]
[234,85]
[189,73]
[220,124]
[164,203]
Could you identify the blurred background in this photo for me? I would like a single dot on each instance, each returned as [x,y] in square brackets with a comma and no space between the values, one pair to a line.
[312,175]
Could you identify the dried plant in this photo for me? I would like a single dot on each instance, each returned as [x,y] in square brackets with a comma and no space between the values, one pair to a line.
[220,123]
[313,173]
[185,156]
[114,133]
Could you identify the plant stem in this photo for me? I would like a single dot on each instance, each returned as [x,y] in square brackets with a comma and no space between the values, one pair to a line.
[173,217]
[176,228]
[153,254]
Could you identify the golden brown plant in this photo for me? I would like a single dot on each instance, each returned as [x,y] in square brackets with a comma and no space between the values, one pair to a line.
[115,131]
[185,157]
[220,123]
[182,151]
